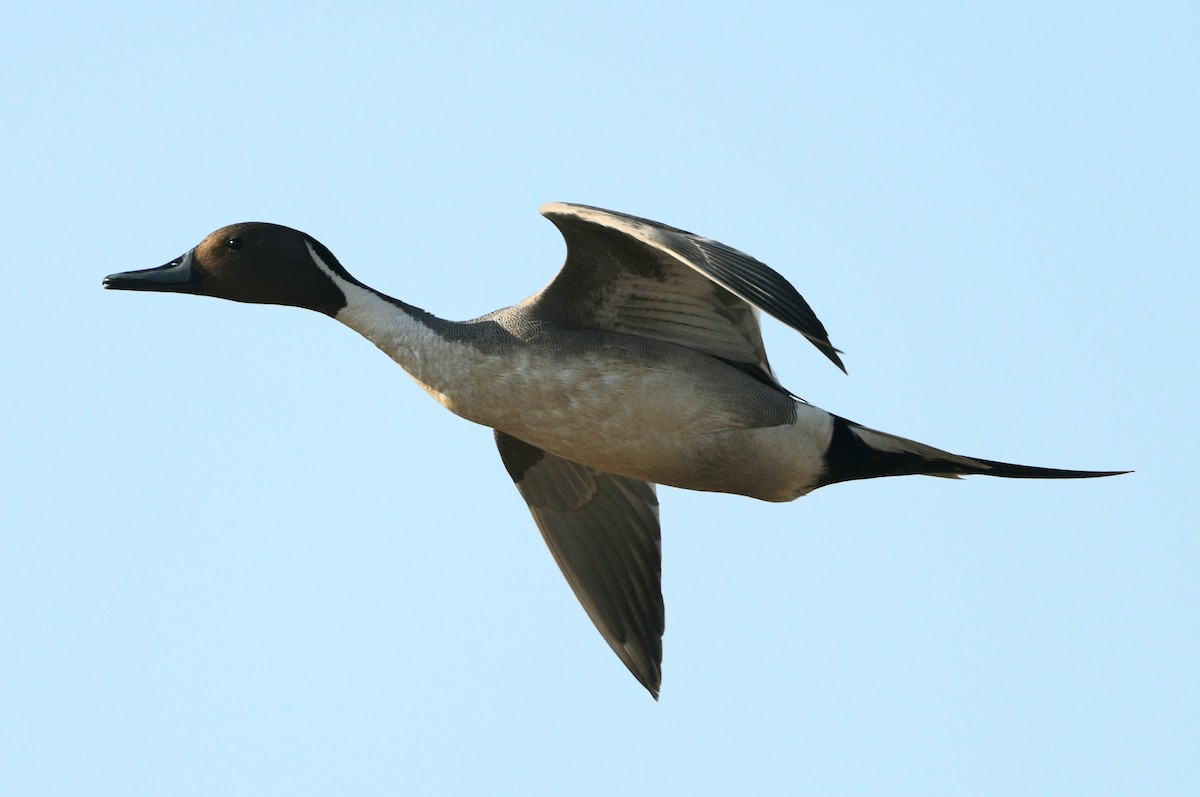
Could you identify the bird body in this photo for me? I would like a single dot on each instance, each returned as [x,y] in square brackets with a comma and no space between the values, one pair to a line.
[641,363]
[619,403]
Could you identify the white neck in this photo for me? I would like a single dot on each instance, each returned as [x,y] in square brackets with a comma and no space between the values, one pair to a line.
[406,335]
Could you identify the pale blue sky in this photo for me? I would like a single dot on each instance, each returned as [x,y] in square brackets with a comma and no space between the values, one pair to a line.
[242,554]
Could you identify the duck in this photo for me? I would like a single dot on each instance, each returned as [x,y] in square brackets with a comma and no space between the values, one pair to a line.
[640,364]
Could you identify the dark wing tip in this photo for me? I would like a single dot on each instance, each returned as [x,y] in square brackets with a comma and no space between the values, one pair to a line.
[829,351]
[643,665]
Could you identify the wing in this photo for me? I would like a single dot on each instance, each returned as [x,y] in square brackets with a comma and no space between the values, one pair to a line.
[603,531]
[636,276]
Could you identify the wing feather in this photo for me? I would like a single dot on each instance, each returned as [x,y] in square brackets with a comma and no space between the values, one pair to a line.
[603,532]
[633,275]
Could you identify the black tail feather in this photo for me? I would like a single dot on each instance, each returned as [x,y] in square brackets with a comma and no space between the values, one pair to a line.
[1008,470]
[856,452]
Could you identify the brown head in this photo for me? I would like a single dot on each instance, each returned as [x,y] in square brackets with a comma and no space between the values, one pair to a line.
[249,262]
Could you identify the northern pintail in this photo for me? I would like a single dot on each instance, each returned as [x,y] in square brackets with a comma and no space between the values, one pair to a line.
[641,363]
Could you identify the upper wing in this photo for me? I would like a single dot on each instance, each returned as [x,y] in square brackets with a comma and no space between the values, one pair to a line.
[636,276]
[603,531]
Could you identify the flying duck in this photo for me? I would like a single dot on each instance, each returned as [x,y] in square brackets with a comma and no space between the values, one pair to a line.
[641,363]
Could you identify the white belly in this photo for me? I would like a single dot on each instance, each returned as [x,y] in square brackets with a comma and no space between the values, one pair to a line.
[649,410]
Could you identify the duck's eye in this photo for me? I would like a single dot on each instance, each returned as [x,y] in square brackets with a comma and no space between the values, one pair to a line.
[234,243]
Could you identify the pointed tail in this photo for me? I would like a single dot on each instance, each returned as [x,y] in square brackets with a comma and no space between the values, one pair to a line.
[856,452]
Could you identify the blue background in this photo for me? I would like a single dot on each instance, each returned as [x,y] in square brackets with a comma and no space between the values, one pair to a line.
[243,554]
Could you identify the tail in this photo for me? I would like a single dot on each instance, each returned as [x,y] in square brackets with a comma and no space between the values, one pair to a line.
[856,452]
